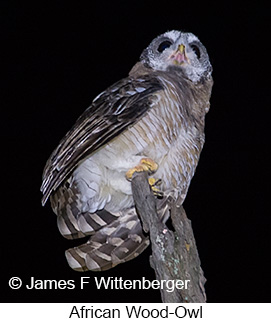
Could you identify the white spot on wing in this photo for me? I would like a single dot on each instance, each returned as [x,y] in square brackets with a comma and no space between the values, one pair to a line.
[140,89]
[131,92]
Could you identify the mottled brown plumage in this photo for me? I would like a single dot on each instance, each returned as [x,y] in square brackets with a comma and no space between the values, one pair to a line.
[157,112]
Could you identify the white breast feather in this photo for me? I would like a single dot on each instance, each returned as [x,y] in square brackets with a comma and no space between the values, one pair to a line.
[101,178]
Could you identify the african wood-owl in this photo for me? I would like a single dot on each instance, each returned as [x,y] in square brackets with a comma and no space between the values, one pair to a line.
[151,120]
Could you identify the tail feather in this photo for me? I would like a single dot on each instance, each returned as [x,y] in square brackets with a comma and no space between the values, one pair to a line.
[120,241]
[114,238]
[72,222]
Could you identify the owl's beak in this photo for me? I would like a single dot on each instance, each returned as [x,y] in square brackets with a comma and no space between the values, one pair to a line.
[179,57]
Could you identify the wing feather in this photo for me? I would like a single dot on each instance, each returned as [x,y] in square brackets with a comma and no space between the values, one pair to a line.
[113,111]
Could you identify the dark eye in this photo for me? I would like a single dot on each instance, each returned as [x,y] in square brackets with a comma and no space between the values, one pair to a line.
[196,50]
[165,44]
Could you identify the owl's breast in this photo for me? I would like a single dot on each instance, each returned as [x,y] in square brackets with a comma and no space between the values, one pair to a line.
[178,166]
[165,134]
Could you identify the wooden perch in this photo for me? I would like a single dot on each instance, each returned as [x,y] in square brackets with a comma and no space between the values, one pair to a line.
[174,253]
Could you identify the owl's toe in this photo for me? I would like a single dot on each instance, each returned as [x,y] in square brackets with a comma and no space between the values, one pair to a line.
[145,165]
[154,183]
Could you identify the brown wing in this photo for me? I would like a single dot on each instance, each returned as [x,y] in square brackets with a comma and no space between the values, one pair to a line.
[113,111]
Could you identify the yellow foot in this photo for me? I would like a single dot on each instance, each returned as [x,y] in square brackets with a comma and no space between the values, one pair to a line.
[153,183]
[146,164]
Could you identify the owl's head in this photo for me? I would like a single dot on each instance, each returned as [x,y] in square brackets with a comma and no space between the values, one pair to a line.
[178,50]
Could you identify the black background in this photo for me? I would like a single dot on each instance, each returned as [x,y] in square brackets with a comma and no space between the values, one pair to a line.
[56,57]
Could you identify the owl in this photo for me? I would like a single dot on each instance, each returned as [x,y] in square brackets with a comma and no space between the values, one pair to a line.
[152,120]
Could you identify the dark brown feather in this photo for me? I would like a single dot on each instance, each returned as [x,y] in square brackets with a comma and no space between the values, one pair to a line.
[117,108]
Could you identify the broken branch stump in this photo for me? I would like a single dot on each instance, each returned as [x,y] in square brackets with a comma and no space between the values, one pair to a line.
[174,253]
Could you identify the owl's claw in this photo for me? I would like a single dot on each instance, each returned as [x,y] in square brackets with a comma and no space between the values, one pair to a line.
[150,166]
[146,164]
[153,183]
